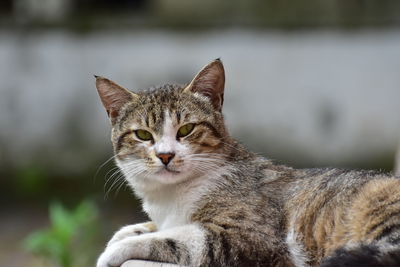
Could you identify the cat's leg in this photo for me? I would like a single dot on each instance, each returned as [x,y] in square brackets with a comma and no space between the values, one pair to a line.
[132,230]
[199,245]
[182,245]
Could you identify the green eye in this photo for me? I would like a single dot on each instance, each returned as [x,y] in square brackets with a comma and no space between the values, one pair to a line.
[185,130]
[144,135]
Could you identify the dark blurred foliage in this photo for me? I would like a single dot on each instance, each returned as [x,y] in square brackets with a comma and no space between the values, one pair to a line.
[6,7]
[115,5]
[281,14]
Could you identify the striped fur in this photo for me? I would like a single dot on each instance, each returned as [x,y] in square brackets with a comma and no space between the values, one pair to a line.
[217,204]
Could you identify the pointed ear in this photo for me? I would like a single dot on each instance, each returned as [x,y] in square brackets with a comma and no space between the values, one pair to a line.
[113,96]
[210,82]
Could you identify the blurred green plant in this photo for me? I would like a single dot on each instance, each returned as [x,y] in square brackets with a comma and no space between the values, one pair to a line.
[70,237]
[31,180]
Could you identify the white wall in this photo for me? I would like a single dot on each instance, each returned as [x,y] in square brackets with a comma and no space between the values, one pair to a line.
[319,97]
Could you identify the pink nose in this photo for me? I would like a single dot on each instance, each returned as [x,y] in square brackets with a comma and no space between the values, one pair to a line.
[166,157]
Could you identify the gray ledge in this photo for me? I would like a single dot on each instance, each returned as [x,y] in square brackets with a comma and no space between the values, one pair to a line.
[142,263]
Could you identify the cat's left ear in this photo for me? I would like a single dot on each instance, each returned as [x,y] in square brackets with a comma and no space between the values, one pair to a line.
[210,82]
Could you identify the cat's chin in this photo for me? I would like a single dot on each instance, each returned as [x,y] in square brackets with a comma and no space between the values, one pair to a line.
[166,171]
[167,176]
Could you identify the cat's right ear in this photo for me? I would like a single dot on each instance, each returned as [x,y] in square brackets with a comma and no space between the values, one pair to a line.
[113,96]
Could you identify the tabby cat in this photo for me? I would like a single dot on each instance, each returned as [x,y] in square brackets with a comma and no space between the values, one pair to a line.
[214,203]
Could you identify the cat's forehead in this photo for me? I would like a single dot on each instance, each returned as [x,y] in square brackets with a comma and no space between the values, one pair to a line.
[155,105]
[162,97]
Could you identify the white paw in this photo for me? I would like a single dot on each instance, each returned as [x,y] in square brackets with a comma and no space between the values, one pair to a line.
[110,258]
[132,230]
[120,251]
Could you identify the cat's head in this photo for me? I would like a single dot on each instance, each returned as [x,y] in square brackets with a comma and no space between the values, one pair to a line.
[168,134]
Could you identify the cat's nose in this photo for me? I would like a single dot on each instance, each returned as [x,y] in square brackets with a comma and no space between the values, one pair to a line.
[165,157]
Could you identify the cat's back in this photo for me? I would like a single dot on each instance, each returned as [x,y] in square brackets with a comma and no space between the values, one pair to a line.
[328,209]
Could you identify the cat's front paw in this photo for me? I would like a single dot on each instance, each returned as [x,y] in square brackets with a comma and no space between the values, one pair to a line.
[110,257]
[133,247]
[132,230]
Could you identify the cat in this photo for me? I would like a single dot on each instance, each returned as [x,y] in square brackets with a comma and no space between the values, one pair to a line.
[214,203]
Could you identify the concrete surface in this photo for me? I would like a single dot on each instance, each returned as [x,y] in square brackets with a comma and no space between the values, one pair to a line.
[140,263]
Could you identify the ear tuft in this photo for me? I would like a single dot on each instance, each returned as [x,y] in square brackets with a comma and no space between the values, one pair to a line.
[113,96]
[210,82]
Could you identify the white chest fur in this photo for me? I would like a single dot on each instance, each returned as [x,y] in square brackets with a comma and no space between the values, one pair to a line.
[167,214]
[173,205]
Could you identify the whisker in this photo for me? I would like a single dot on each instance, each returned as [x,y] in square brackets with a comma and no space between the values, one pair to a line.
[121,182]
[116,181]
[102,165]
[116,174]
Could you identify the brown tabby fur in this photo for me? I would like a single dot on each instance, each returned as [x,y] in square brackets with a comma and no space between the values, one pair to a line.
[247,215]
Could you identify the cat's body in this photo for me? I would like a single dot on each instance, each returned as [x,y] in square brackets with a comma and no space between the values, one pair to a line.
[213,203]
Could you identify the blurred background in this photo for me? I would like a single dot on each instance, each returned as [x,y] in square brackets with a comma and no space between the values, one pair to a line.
[309,83]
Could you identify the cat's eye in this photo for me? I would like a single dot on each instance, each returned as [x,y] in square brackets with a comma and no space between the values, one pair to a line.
[185,130]
[144,135]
